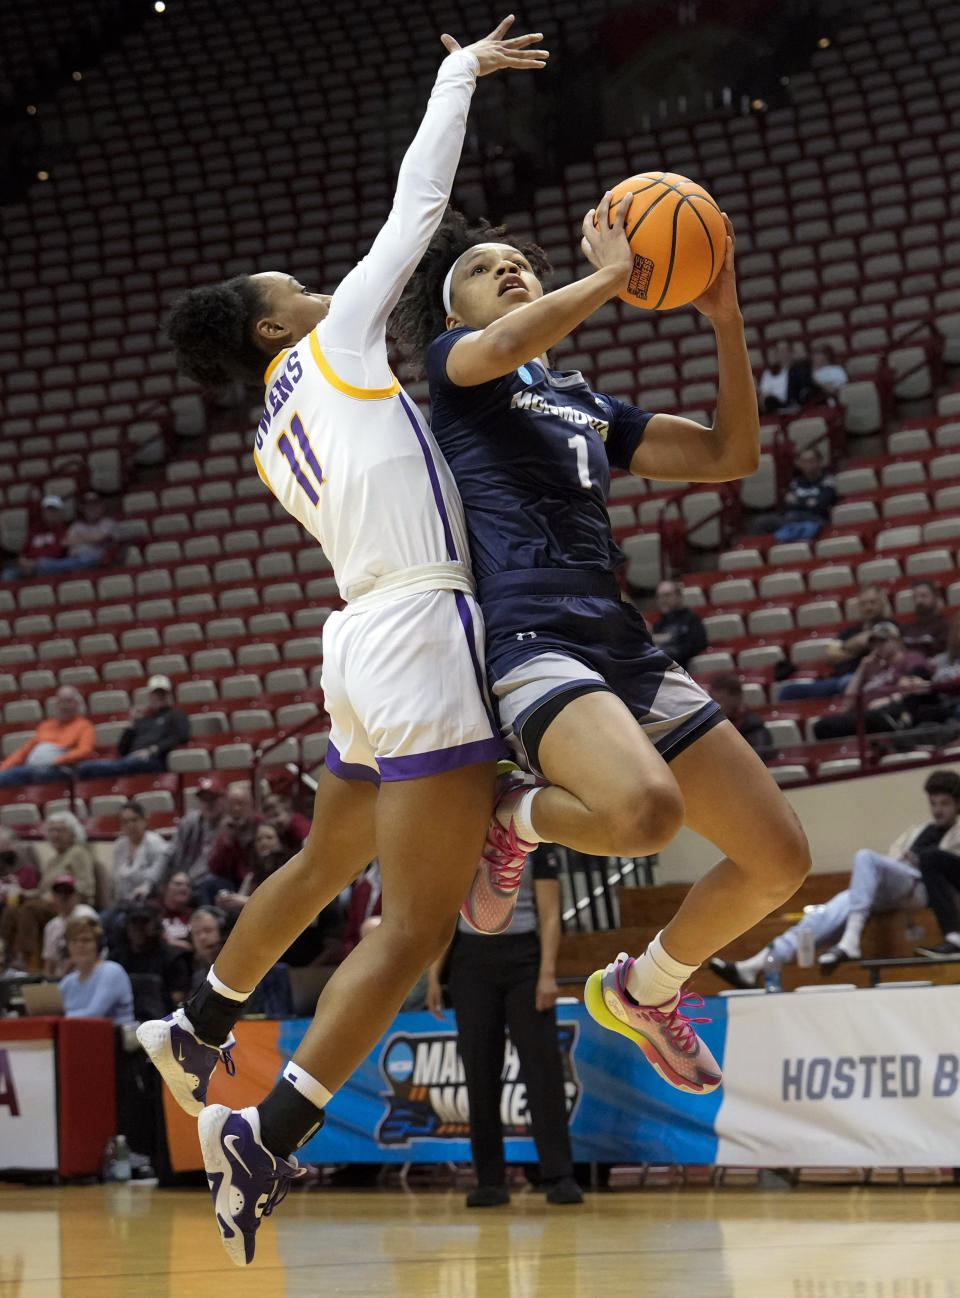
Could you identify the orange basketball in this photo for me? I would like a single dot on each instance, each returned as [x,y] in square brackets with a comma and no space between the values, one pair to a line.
[678,239]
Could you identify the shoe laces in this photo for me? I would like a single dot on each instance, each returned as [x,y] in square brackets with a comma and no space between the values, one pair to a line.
[286,1172]
[505,853]
[678,1025]
[227,1057]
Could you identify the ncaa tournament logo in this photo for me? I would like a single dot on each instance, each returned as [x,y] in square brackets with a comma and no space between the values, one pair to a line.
[427,1096]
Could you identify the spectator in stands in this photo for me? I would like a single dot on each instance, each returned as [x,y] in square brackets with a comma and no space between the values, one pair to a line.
[67,904]
[98,988]
[139,857]
[197,833]
[268,855]
[508,982]
[878,884]
[277,810]
[176,908]
[808,500]
[365,901]
[679,631]
[89,539]
[160,974]
[727,689]
[828,374]
[845,652]
[889,680]
[940,867]
[19,867]
[929,629]
[58,744]
[22,925]
[153,732]
[208,931]
[48,541]
[232,858]
[785,381]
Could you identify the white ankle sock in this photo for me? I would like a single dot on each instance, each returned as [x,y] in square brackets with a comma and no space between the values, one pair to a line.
[655,977]
[850,939]
[516,807]
[750,970]
[308,1086]
[224,990]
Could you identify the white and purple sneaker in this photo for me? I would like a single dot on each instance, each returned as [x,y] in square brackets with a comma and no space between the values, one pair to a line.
[488,907]
[184,1062]
[246,1180]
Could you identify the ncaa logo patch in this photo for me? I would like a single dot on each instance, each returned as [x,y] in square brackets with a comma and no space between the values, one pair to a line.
[525,374]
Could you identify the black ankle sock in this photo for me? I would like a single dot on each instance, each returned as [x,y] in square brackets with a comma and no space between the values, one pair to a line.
[212,1015]
[288,1119]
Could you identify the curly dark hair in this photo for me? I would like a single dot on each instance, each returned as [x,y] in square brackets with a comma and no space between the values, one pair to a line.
[947,782]
[211,332]
[419,316]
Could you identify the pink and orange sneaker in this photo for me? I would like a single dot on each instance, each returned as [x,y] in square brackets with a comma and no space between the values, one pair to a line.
[489,904]
[663,1032]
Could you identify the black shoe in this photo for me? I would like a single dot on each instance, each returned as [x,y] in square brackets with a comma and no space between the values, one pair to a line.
[564,1190]
[942,951]
[829,962]
[488,1196]
[729,972]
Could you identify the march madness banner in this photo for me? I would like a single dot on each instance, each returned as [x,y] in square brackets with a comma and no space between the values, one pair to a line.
[862,1078]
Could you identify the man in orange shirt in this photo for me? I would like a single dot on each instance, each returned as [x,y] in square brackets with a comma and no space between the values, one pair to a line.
[67,737]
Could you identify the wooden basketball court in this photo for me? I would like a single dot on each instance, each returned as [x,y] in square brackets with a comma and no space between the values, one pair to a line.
[808,1242]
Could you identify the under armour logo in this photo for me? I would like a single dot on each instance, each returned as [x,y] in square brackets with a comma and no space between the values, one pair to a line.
[526,635]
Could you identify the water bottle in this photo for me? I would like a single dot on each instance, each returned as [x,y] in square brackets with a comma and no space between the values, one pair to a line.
[121,1159]
[108,1165]
[771,971]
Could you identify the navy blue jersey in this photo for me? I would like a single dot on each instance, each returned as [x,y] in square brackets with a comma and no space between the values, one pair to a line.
[531,454]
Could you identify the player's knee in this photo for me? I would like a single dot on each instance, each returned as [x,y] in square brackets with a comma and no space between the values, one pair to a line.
[648,820]
[793,858]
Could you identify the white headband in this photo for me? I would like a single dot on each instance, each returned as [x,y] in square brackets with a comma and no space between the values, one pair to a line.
[445,292]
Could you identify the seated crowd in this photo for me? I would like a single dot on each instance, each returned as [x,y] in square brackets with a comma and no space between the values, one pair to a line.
[131,938]
[54,546]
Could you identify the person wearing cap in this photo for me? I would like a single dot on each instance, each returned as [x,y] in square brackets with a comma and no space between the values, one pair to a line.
[89,539]
[153,732]
[843,653]
[58,744]
[48,541]
[887,680]
[197,833]
[66,903]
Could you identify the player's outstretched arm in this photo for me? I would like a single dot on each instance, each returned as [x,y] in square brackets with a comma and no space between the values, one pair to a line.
[365,298]
[676,449]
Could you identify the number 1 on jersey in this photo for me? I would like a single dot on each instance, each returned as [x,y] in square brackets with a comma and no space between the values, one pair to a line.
[579,443]
[285,446]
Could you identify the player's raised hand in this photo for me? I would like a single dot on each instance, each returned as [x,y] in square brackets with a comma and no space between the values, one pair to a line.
[604,243]
[719,303]
[495,51]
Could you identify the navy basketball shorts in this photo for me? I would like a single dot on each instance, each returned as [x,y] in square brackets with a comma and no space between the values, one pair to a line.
[547,646]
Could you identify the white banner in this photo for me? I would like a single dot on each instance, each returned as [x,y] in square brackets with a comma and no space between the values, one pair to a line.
[842,1078]
[28,1105]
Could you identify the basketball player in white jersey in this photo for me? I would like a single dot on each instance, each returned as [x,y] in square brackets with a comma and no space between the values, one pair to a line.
[410,770]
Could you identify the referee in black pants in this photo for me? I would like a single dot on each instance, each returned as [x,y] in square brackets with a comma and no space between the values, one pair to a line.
[509,982]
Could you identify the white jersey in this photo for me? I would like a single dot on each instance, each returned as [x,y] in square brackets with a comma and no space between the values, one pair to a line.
[340,444]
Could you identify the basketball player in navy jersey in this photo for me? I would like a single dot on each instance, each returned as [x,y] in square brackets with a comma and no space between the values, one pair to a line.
[632,747]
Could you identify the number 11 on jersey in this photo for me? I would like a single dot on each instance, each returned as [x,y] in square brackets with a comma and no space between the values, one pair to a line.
[284,445]
[579,444]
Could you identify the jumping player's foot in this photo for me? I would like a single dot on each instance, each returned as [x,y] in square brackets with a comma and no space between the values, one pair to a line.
[489,904]
[663,1032]
[246,1180]
[184,1062]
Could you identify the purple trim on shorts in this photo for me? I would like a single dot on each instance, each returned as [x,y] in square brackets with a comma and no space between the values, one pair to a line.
[466,619]
[415,765]
[694,728]
[432,475]
[349,770]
